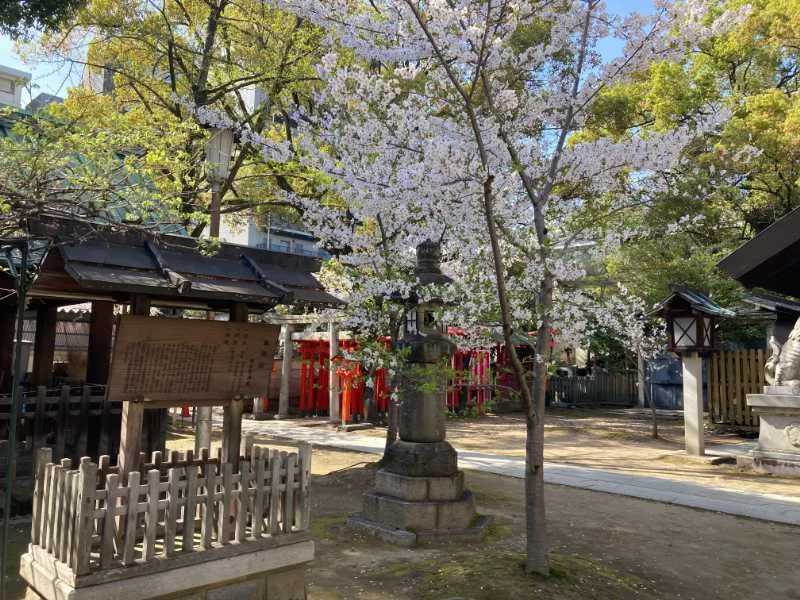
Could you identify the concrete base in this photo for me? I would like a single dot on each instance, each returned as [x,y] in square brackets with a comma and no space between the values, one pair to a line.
[407,510]
[778,449]
[277,573]
[420,489]
[419,516]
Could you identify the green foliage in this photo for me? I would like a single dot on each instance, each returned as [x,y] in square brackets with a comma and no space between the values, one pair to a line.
[19,16]
[166,56]
[56,165]
[734,184]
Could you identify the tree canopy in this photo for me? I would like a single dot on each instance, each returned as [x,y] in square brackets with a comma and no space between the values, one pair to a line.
[166,72]
[735,182]
[19,17]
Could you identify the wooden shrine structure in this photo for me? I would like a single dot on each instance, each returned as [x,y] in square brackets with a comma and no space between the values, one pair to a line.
[136,272]
[157,525]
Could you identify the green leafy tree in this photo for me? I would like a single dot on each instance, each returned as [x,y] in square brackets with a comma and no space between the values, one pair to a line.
[19,17]
[54,165]
[734,183]
[171,69]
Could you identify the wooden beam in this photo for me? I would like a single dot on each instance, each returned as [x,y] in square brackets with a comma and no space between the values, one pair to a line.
[44,345]
[101,328]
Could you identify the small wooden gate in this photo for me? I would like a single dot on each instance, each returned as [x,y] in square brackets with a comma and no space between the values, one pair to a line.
[732,375]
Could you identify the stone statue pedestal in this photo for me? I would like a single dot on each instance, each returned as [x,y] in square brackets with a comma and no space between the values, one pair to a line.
[419,493]
[778,449]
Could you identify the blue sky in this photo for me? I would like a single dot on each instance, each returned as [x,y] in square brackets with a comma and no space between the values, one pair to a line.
[56,80]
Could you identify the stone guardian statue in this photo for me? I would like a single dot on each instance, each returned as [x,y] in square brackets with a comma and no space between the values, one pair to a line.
[785,361]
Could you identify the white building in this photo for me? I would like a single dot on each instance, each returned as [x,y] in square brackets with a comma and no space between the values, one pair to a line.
[279,235]
[12,82]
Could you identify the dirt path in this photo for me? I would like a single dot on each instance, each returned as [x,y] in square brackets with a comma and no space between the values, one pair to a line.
[616,441]
[602,546]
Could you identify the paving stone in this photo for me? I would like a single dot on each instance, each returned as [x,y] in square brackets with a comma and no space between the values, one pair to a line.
[769,507]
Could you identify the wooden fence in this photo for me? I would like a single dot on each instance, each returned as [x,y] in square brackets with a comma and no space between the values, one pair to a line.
[91,520]
[604,389]
[732,375]
[74,421]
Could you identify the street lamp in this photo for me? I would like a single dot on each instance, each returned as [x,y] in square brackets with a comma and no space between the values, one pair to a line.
[218,155]
[691,319]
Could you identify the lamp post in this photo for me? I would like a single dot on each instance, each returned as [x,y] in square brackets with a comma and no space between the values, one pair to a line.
[691,319]
[422,414]
[218,155]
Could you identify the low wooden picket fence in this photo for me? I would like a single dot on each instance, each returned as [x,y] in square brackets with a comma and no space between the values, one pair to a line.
[66,419]
[90,520]
[732,375]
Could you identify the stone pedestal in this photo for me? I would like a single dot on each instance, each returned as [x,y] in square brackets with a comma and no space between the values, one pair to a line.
[778,449]
[693,404]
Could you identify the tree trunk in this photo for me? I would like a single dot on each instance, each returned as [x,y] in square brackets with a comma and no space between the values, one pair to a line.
[536,527]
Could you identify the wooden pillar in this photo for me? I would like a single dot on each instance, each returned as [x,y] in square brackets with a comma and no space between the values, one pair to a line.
[101,330]
[140,305]
[130,437]
[154,421]
[232,420]
[232,432]
[239,313]
[286,372]
[7,325]
[44,345]
[333,378]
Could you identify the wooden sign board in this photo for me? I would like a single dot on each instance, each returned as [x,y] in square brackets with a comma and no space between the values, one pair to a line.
[173,362]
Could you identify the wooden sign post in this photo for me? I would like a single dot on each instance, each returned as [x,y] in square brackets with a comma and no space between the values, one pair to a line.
[159,363]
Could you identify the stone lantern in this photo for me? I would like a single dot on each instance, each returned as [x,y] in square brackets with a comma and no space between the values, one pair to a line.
[691,318]
[419,492]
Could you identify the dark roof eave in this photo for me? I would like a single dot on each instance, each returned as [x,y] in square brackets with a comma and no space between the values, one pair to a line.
[774,240]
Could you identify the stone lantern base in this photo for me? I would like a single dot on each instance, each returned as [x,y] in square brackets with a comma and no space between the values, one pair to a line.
[419,496]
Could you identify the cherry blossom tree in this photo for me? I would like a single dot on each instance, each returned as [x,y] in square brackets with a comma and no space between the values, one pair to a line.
[460,120]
